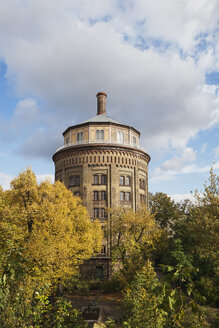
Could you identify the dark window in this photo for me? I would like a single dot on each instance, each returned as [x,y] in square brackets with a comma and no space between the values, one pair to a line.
[142,198]
[74,181]
[141,183]
[67,140]
[77,194]
[96,212]
[122,180]
[102,212]
[103,249]
[95,195]
[79,137]
[103,179]
[103,195]
[95,179]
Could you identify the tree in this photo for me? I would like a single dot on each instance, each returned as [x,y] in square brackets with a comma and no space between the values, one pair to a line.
[45,235]
[164,209]
[143,301]
[134,236]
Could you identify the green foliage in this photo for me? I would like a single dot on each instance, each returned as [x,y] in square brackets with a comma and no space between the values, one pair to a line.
[164,209]
[143,301]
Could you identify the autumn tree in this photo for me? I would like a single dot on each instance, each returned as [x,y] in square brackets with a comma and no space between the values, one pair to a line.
[134,236]
[45,234]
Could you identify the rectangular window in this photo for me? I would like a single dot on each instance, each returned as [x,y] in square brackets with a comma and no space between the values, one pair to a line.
[67,140]
[79,137]
[95,179]
[102,213]
[103,249]
[99,135]
[103,179]
[95,195]
[96,212]
[122,180]
[128,196]
[103,195]
[122,195]
[127,181]
[142,184]
[134,140]
[74,181]
[120,137]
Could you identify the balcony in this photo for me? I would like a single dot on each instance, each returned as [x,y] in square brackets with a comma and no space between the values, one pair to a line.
[101,142]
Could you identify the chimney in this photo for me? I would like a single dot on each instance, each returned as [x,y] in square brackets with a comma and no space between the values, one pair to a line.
[101,103]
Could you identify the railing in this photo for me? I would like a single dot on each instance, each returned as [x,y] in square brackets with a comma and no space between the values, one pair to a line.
[96,141]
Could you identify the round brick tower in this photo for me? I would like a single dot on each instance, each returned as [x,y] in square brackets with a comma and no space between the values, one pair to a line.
[101,162]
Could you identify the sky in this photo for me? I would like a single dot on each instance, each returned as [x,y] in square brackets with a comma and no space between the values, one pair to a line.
[158,62]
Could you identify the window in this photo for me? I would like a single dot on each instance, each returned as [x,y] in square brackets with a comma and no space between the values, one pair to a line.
[102,213]
[77,194]
[134,140]
[120,137]
[142,184]
[95,179]
[142,198]
[103,249]
[74,181]
[99,134]
[122,181]
[103,179]
[79,137]
[96,212]
[103,195]
[95,195]
[127,181]
[128,196]
[67,140]
[122,195]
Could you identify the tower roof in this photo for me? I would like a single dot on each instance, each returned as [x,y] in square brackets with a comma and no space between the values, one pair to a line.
[101,118]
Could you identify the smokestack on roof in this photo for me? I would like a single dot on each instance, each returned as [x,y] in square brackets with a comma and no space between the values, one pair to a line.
[101,103]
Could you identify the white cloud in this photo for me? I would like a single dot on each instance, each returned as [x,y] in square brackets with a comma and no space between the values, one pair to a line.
[5,180]
[64,52]
[216,152]
[43,177]
[181,197]
[179,165]
[204,147]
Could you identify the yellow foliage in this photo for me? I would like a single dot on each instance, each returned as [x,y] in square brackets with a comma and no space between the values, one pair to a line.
[49,226]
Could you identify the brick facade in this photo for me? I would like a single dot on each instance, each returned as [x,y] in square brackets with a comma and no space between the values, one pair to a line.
[107,169]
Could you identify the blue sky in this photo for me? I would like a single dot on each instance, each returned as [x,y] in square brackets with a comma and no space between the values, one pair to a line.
[157,61]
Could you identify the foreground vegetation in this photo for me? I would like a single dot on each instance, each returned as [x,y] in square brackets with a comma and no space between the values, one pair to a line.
[46,233]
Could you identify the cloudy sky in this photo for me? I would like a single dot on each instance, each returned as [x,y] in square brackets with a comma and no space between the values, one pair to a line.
[158,62]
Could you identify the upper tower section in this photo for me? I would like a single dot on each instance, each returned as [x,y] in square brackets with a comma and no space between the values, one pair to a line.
[101,130]
[101,103]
